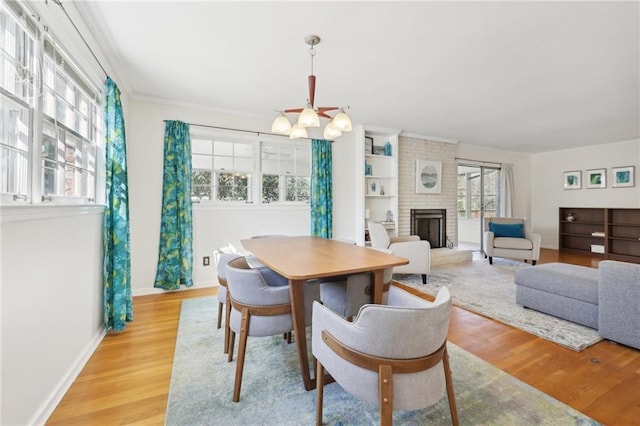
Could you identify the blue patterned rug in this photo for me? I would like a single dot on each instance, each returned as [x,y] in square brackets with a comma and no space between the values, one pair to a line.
[272,392]
[489,290]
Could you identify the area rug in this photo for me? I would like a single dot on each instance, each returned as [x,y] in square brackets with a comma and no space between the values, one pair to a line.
[273,394]
[489,290]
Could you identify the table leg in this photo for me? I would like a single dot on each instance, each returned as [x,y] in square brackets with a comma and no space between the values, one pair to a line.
[378,277]
[296,293]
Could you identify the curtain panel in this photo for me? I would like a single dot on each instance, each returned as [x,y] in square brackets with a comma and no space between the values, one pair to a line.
[321,189]
[117,250]
[175,257]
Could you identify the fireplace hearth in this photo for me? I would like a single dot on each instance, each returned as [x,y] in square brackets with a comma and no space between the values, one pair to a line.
[430,225]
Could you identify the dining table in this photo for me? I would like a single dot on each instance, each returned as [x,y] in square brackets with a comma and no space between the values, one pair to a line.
[304,258]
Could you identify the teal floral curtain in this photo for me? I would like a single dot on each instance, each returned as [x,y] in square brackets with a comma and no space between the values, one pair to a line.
[116,268]
[321,189]
[175,259]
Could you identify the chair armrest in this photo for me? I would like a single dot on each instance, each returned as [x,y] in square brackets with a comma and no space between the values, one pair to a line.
[404,238]
[487,239]
[536,240]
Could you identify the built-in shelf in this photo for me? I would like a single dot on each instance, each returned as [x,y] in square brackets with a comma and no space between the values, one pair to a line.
[617,229]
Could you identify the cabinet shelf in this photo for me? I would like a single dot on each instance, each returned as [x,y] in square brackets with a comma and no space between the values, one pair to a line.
[621,228]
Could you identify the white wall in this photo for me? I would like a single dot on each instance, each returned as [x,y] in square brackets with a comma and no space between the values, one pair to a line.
[51,316]
[548,194]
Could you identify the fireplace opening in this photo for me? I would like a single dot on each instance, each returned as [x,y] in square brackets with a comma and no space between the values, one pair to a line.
[430,225]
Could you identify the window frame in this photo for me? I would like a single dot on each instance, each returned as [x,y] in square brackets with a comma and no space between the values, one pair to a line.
[86,170]
[255,186]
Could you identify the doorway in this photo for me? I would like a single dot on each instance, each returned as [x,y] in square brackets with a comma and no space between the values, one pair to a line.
[478,197]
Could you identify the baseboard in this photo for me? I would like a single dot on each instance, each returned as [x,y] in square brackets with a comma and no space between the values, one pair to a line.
[153,290]
[50,404]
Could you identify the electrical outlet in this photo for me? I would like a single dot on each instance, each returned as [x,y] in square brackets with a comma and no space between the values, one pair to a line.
[205,261]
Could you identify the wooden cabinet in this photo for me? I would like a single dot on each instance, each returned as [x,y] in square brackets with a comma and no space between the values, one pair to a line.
[623,235]
[613,233]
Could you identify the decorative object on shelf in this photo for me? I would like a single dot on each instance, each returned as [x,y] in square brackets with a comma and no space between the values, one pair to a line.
[367,214]
[571,217]
[623,176]
[596,178]
[387,149]
[368,169]
[428,177]
[572,180]
[378,150]
[373,187]
[381,189]
[389,216]
[368,145]
[310,115]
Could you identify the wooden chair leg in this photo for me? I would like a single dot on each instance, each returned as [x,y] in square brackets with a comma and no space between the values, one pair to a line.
[385,384]
[450,394]
[227,318]
[220,304]
[320,392]
[242,348]
[232,343]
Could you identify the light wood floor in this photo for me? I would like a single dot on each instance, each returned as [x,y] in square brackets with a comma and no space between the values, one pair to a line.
[126,381]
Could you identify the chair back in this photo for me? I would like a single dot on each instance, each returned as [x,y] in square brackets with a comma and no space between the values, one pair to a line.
[378,235]
[412,328]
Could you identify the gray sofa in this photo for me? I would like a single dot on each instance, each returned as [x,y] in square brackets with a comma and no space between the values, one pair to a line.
[606,299]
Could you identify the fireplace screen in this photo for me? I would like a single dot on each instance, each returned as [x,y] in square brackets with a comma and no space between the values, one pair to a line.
[430,225]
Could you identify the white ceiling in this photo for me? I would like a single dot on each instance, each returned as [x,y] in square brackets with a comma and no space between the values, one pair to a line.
[521,76]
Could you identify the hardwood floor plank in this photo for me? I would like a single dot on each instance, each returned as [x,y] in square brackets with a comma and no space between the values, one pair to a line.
[126,381]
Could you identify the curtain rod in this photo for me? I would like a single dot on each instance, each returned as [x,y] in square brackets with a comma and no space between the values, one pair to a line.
[59,3]
[477,161]
[238,130]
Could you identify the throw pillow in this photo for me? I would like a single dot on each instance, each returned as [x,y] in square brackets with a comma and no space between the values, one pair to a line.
[512,230]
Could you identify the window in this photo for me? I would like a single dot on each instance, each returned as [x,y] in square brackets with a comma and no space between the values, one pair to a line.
[285,172]
[221,170]
[224,165]
[42,88]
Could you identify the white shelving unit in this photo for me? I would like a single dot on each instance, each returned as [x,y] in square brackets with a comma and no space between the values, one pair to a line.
[381,180]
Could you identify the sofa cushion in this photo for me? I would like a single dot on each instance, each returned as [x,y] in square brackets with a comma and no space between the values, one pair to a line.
[572,281]
[512,230]
[512,243]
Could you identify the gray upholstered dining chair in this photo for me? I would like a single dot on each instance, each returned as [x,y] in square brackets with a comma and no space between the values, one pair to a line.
[345,295]
[221,259]
[391,355]
[409,246]
[257,309]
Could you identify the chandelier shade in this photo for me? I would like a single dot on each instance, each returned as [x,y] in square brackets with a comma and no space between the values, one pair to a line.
[310,116]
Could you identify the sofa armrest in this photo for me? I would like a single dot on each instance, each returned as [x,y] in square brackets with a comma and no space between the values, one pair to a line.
[619,302]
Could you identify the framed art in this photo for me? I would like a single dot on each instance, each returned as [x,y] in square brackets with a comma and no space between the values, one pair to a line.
[572,180]
[378,150]
[368,145]
[596,178]
[623,176]
[428,177]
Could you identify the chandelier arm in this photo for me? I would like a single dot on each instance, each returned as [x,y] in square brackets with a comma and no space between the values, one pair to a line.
[326,109]
[312,89]
[288,111]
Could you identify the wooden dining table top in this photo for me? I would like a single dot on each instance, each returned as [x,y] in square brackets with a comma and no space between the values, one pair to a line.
[306,257]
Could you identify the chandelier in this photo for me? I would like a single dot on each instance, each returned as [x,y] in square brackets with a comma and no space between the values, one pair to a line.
[309,116]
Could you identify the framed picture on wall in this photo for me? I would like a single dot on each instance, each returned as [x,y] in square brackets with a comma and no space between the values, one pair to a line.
[428,177]
[623,176]
[572,180]
[368,145]
[596,178]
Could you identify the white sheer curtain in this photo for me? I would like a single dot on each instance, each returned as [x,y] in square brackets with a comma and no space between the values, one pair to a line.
[506,190]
